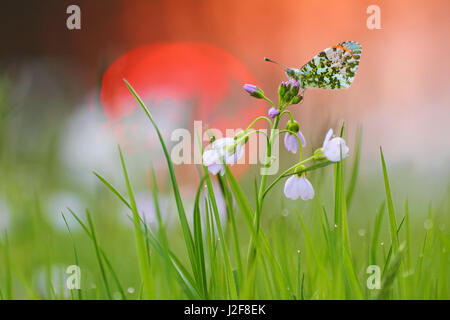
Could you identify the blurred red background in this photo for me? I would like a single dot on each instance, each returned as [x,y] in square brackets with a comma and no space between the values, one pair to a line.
[399,95]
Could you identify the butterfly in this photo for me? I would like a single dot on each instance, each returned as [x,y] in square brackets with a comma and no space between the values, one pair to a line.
[333,68]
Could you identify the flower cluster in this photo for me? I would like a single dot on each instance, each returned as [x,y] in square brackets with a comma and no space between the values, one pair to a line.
[228,151]
[223,151]
[288,92]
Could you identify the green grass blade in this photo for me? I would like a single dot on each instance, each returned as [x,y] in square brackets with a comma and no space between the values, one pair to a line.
[241,200]
[247,212]
[161,229]
[223,244]
[105,258]
[390,275]
[390,205]
[355,168]
[183,277]
[198,241]
[312,249]
[114,190]
[8,279]
[181,212]
[408,235]
[376,233]
[144,264]
[229,203]
[75,253]
[97,253]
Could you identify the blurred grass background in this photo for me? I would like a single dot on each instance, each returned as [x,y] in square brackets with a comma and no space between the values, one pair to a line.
[54,132]
[36,187]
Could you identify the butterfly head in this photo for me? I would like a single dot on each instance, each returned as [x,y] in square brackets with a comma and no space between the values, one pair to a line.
[295,74]
[292,73]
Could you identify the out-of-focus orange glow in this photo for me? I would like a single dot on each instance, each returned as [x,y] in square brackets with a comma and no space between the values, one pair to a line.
[180,71]
[197,78]
[400,87]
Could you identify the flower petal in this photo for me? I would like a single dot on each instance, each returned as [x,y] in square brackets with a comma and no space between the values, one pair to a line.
[291,190]
[222,142]
[327,137]
[232,158]
[210,157]
[291,143]
[250,88]
[306,189]
[273,112]
[297,186]
[332,150]
[224,151]
[302,138]
[215,168]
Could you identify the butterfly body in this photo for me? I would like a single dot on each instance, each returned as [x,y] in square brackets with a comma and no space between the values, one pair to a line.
[333,68]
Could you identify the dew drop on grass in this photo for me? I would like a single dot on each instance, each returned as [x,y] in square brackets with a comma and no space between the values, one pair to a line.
[285,212]
[130,290]
[335,225]
[117,296]
[362,232]
[382,243]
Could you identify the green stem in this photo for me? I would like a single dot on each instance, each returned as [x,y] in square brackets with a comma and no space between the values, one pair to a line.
[250,133]
[252,252]
[284,173]
[269,101]
[289,113]
[257,119]
[298,139]
[262,186]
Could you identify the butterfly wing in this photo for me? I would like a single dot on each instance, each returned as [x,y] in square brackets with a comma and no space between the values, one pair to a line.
[333,68]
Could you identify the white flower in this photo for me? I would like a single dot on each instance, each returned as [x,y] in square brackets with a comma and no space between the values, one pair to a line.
[297,186]
[291,141]
[222,151]
[333,147]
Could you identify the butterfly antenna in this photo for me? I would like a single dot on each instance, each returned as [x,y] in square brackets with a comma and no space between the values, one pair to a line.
[270,60]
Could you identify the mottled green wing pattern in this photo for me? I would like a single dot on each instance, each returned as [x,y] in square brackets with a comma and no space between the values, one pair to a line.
[333,68]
